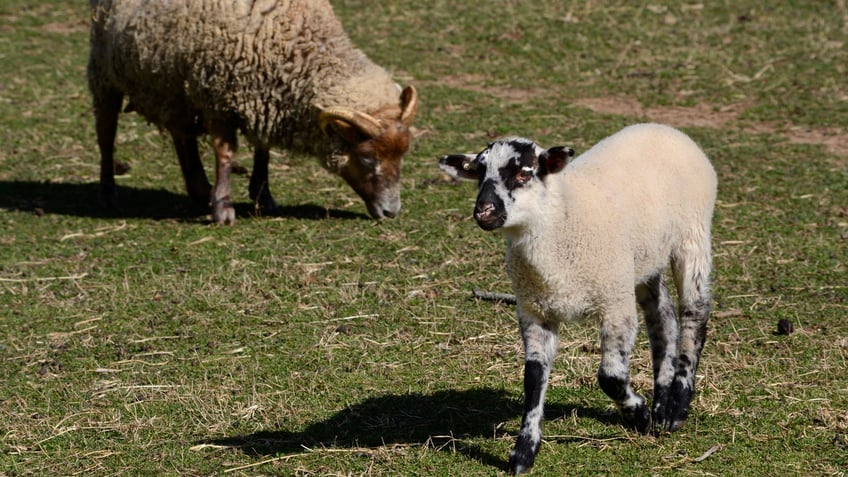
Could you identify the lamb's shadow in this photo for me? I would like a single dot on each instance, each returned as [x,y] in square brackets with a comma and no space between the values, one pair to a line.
[445,419]
[81,200]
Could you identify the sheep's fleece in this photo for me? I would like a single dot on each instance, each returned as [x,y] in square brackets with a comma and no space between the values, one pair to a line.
[265,67]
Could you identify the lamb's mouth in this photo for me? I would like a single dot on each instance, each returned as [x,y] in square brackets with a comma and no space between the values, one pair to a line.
[490,222]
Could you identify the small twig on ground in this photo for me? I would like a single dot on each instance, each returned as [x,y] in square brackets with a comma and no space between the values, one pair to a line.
[708,453]
[492,296]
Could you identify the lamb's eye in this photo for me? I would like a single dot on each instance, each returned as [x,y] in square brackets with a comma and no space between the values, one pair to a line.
[523,177]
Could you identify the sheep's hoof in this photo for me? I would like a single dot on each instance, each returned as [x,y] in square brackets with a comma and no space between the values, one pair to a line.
[265,205]
[199,192]
[223,212]
[109,196]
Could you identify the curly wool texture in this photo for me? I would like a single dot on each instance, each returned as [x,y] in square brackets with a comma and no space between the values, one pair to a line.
[266,66]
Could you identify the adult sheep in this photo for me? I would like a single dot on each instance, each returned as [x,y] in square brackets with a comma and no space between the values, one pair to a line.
[284,73]
[590,236]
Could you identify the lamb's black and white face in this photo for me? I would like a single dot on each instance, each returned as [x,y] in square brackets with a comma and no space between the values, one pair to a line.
[505,172]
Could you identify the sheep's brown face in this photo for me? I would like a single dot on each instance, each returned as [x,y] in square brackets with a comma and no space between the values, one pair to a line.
[373,169]
[370,149]
[504,171]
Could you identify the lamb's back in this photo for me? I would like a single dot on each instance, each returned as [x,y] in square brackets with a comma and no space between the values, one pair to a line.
[639,192]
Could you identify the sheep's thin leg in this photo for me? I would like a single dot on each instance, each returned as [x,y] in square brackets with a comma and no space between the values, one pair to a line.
[692,274]
[656,303]
[197,185]
[107,106]
[540,347]
[224,141]
[618,335]
[259,191]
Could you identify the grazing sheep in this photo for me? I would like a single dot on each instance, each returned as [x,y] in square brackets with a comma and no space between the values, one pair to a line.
[590,236]
[284,73]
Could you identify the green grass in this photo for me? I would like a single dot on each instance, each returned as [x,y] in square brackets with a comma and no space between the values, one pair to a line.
[318,342]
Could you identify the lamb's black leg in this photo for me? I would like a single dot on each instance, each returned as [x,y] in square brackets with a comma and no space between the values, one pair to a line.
[691,266]
[693,333]
[540,346]
[655,301]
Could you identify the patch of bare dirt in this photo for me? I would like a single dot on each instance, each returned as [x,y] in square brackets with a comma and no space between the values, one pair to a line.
[702,115]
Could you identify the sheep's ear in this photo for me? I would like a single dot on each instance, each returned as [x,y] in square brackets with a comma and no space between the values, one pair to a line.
[460,166]
[554,160]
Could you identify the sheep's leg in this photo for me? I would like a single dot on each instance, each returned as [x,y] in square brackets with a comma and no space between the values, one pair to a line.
[197,185]
[224,141]
[259,192]
[540,346]
[691,273]
[618,335]
[655,301]
[107,106]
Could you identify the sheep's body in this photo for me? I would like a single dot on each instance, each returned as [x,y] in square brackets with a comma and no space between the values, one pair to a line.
[591,238]
[266,67]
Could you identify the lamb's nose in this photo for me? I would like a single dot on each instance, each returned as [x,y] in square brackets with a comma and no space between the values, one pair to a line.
[484,211]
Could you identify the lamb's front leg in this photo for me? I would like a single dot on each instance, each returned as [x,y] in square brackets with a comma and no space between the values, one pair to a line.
[618,334]
[540,347]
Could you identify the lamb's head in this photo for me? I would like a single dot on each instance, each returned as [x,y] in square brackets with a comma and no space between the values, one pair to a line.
[507,172]
[367,150]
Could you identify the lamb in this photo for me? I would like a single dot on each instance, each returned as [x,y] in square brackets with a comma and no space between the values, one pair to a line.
[590,236]
[284,73]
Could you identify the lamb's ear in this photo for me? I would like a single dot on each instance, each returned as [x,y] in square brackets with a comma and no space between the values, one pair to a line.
[460,166]
[554,160]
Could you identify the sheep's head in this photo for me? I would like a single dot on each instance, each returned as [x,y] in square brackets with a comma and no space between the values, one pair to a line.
[367,150]
[506,171]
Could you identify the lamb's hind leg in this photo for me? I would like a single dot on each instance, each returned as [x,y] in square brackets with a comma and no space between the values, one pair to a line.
[692,274]
[540,346]
[618,334]
[655,301]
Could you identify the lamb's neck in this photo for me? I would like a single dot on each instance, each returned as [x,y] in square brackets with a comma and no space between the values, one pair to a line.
[531,241]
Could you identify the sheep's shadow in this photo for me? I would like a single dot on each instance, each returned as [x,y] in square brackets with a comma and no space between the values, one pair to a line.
[82,200]
[445,420]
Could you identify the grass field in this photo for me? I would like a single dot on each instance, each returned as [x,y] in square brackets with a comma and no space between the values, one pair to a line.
[147,341]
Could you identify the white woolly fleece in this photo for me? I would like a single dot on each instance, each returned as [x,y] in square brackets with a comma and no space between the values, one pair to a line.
[608,221]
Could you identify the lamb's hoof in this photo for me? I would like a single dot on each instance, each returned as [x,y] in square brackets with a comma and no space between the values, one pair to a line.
[672,416]
[520,464]
[638,418]
[671,421]
[522,456]
[223,212]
